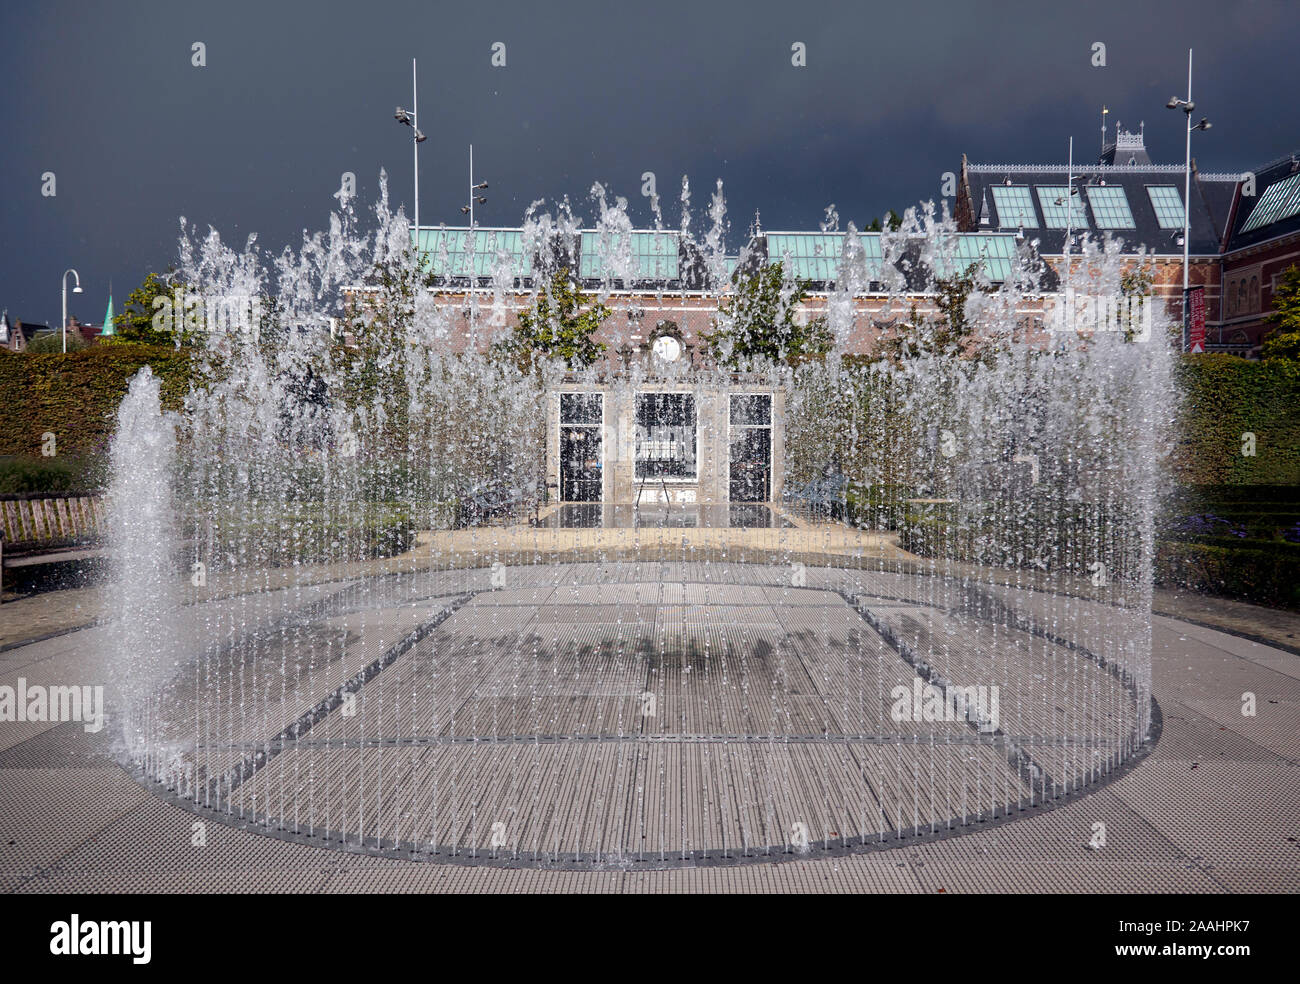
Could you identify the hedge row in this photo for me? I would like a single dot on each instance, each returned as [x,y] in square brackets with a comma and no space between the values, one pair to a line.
[1262,572]
[1225,398]
[284,534]
[1069,543]
[1261,576]
[66,474]
[75,396]
[1279,496]
[1280,548]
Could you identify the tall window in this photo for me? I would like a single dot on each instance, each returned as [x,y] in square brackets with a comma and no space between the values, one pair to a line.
[581,408]
[581,446]
[665,435]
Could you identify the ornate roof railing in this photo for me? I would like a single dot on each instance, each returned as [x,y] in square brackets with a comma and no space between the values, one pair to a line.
[1082,169]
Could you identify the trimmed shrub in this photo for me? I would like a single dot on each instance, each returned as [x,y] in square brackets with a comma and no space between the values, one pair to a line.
[1225,398]
[75,396]
[1263,576]
[881,507]
[25,473]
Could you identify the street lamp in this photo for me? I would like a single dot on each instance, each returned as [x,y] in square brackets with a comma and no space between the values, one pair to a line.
[76,290]
[1186,105]
[1068,201]
[407,118]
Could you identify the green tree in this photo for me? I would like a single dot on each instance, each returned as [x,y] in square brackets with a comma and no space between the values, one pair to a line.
[1284,340]
[1135,283]
[950,333]
[757,322]
[136,323]
[560,325]
[383,321]
[892,222]
[53,342]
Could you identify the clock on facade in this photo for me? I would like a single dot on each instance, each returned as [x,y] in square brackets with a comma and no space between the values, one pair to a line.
[667,347]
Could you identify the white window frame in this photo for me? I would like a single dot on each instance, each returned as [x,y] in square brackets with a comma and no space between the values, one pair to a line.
[670,479]
[561,425]
[770,427]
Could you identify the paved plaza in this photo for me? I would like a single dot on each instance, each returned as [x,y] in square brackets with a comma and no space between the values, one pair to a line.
[657,725]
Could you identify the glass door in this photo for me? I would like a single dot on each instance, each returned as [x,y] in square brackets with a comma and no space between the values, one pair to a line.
[582,418]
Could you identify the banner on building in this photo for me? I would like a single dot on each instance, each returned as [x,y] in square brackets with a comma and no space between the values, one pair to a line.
[1194,319]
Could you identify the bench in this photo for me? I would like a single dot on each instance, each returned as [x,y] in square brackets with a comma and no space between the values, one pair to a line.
[828,493]
[41,528]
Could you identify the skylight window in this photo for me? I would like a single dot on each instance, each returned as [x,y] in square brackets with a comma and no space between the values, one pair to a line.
[1015,207]
[1110,208]
[653,255]
[993,252]
[1280,201]
[1054,215]
[816,256]
[1168,204]
[446,252]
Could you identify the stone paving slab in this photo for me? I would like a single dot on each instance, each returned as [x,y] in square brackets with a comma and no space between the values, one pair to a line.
[1221,812]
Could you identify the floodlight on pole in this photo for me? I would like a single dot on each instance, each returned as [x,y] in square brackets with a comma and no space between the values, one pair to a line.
[408,118]
[1187,106]
[474,189]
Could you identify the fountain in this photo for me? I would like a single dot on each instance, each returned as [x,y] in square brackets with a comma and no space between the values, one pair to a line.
[341,658]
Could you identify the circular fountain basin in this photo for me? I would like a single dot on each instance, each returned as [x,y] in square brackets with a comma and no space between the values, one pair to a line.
[653,714]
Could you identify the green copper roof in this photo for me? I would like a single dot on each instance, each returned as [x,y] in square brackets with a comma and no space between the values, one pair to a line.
[816,255]
[108,318]
[653,255]
[991,250]
[446,252]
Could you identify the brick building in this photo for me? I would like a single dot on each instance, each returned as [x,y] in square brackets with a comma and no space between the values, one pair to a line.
[1261,243]
[658,289]
[1239,243]
[17,335]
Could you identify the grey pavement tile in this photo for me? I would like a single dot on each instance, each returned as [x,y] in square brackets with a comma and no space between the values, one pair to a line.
[1061,878]
[1220,812]
[46,813]
[1215,808]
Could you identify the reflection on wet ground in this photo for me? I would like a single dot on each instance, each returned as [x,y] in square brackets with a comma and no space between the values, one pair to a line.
[588,515]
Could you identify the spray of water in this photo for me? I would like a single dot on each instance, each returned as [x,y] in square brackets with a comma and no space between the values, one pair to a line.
[373,657]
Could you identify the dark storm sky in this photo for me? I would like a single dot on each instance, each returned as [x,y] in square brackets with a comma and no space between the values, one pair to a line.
[293,95]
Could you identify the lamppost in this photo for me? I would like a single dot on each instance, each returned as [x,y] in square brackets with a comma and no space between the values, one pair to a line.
[474,190]
[408,119]
[76,290]
[1068,201]
[1186,105]
[472,256]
